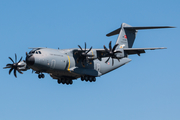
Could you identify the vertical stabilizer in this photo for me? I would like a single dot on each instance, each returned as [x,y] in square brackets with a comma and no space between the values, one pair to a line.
[126,36]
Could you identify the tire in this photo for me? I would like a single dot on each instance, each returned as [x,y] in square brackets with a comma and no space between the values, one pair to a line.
[94,79]
[70,82]
[82,78]
[39,76]
[90,79]
[67,82]
[59,81]
[86,78]
[42,75]
[63,81]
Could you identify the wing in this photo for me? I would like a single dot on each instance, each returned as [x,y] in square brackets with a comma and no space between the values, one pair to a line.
[138,51]
[101,53]
[130,51]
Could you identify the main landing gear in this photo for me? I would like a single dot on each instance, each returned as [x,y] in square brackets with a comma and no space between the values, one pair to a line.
[41,75]
[65,81]
[88,78]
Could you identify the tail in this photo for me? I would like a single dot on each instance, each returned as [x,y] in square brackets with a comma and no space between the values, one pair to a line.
[127,34]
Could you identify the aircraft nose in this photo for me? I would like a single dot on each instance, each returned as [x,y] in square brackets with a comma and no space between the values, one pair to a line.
[30,60]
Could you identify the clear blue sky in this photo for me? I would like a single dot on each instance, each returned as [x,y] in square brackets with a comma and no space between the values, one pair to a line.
[145,89]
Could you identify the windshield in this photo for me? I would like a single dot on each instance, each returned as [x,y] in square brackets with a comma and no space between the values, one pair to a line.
[35,52]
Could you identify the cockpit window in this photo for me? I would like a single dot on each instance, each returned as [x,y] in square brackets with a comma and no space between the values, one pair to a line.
[31,52]
[35,52]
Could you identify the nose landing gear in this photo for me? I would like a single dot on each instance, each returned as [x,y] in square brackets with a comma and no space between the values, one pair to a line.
[41,75]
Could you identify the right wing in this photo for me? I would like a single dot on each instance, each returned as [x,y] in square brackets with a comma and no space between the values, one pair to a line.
[138,51]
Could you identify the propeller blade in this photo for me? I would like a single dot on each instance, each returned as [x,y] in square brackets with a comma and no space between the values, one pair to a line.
[11,59]
[110,48]
[7,67]
[85,46]
[89,50]
[115,47]
[20,60]
[106,49]
[107,60]
[10,71]
[83,56]
[15,58]
[79,47]
[112,61]
[19,71]
[15,65]
[15,73]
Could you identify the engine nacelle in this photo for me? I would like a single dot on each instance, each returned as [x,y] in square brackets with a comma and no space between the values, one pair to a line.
[25,67]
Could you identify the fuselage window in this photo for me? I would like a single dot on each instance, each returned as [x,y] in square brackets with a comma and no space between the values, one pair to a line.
[39,52]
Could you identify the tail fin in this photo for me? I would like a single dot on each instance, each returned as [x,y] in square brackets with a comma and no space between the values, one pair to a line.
[127,34]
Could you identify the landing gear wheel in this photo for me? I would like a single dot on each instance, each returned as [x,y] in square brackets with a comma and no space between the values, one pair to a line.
[39,76]
[94,79]
[67,82]
[59,81]
[86,78]
[82,78]
[70,82]
[63,81]
[42,75]
[90,79]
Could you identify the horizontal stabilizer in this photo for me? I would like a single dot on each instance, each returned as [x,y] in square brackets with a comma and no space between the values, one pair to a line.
[136,28]
[115,32]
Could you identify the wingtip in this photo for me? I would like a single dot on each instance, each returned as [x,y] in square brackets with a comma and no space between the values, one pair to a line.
[172,27]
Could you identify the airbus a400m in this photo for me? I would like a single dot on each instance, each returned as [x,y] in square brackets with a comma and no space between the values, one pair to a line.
[69,64]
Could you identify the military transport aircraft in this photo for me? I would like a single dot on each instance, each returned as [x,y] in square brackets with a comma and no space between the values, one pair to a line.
[66,65]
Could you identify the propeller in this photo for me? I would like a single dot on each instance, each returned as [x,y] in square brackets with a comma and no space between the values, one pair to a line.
[111,53]
[14,66]
[84,55]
